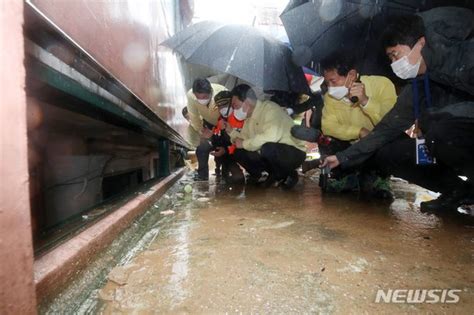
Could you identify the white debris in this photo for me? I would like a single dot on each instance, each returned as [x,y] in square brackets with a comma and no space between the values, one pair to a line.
[423,196]
[280,225]
[167,212]
[358,266]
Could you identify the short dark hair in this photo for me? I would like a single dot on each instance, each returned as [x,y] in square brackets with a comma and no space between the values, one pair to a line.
[403,30]
[201,85]
[244,91]
[342,63]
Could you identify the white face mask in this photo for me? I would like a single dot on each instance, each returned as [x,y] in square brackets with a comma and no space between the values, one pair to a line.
[224,112]
[338,92]
[240,114]
[204,101]
[404,69]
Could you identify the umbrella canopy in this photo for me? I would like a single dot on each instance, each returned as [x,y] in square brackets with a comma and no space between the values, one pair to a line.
[317,28]
[242,51]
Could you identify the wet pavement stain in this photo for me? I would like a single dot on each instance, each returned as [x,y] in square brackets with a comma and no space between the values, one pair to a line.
[255,250]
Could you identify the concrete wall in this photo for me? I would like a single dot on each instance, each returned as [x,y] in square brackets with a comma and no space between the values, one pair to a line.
[17,293]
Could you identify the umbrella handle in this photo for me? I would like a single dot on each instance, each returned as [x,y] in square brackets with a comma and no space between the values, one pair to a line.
[355,99]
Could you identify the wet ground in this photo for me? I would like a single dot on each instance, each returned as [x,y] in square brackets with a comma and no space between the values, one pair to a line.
[258,250]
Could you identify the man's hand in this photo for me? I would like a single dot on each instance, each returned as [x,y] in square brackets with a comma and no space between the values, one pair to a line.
[206,133]
[330,161]
[363,132]
[238,143]
[220,151]
[358,89]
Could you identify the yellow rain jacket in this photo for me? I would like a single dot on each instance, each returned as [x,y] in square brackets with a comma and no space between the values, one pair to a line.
[268,123]
[198,112]
[343,121]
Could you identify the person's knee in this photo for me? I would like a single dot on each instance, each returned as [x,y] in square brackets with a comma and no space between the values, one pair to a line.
[238,154]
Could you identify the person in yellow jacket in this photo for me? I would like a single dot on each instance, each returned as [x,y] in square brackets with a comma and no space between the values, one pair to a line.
[203,115]
[346,120]
[265,142]
[353,106]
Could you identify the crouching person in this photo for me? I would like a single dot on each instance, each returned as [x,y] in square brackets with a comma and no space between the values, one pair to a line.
[222,147]
[203,116]
[265,143]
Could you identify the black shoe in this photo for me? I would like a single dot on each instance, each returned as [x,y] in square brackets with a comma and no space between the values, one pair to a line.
[253,179]
[234,180]
[305,133]
[291,180]
[269,181]
[200,178]
[447,202]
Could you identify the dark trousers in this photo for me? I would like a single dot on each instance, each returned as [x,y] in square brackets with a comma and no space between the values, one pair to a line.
[450,141]
[334,146]
[276,158]
[202,154]
[231,171]
[331,148]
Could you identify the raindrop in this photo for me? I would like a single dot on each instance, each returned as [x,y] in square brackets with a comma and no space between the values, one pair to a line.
[154,93]
[135,56]
[367,10]
[330,9]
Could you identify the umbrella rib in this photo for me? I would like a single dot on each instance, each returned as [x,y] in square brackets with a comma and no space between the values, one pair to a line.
[227,68]
[231,58]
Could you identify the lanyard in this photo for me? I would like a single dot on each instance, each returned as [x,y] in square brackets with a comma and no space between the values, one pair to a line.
[416,98]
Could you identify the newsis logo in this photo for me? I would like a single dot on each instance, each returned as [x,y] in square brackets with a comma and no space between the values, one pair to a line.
[418,296]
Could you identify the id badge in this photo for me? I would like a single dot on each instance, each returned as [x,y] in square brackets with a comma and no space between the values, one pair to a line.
[423,157]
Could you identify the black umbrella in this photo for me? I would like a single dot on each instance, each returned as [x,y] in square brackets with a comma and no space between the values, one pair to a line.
[242,51]
[317,28]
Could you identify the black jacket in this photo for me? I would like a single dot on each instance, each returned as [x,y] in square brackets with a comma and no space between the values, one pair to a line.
[449,56]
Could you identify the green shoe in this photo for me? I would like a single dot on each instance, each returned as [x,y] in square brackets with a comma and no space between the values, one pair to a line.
[345,184]
[382,183]
[381,188]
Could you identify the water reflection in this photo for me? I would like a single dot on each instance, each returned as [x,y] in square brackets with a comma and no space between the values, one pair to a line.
[230,244]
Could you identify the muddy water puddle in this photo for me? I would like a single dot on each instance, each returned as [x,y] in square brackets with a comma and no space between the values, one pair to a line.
[254,250]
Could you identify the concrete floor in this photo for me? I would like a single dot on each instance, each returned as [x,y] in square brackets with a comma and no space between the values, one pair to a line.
[272,251]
